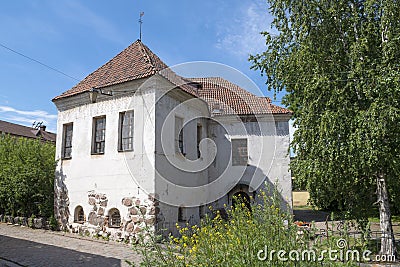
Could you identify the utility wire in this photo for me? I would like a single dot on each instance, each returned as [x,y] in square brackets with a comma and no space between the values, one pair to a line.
[37,61]
[61,72]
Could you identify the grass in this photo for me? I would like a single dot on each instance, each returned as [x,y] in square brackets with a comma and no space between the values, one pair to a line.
[303,207]
[300,198]
[395,219]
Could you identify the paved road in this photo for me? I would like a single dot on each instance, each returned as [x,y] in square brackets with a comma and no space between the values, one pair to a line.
[22,246]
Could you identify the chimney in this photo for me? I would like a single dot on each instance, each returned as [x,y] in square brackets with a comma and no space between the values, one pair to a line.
[42,128]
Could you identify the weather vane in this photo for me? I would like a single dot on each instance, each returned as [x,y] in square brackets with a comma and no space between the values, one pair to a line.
[140,25]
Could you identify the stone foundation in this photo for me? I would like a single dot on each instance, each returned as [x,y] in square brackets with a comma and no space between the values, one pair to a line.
[136,216]
[35,223]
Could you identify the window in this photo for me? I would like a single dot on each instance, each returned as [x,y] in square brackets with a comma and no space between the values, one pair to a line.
[115,218]
[199,130]
[67,141]
[179,147]
[201,211]
[125,137]
[181,215]
[99,133]
[239,152]
[79,215]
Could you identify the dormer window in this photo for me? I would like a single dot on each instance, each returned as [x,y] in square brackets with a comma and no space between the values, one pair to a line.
[216,110]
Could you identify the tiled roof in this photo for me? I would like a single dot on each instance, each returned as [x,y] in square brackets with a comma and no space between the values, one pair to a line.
[229,98]
[28,132]
[138,61]
[135,62]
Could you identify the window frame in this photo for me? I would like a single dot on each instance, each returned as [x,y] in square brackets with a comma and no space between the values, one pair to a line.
[94,136]
[121,126]
[78,215]
[64,140]
[181,214]
[239,162]
[179,137]
[202,211]
[111,222]
[199,136]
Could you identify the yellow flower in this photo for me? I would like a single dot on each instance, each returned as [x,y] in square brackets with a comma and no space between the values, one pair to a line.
[180,257]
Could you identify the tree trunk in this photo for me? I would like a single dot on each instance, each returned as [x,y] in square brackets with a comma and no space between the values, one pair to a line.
[388,247]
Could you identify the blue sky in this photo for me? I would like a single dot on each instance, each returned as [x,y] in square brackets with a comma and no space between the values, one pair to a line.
[76,37]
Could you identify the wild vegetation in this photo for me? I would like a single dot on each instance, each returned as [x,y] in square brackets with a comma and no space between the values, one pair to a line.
[246,238]
[339,62]
[27,169]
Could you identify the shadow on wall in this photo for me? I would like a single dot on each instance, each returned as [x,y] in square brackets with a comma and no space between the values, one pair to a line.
[165,226]
[61,200]
[248,189]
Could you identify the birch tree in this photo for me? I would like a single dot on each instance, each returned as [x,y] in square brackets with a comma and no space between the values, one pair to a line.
[339,62]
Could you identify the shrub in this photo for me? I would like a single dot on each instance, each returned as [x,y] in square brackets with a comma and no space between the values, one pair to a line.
[234,242]
[53,223]
[27,169]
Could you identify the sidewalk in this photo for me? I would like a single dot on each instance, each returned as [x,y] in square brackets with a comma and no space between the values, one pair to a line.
[22,246]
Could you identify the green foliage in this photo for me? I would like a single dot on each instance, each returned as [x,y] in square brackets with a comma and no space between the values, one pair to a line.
[26,177]
[53,223]
[339,62]
[31,220]
[234,242]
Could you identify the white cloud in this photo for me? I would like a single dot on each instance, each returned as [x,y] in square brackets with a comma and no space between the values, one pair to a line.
[37,113]
[241,36]
[28,117]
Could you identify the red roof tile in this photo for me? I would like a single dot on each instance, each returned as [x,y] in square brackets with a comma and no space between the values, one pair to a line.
[229,98]
[138,61]
[135,62]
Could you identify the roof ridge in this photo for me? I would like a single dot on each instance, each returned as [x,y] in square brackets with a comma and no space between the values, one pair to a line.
[146,54]
[134,62]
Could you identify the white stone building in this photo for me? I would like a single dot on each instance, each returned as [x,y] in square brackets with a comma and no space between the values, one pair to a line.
[139,145]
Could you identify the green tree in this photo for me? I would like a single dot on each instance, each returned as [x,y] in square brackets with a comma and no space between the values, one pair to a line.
[26,176]
[338,61]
